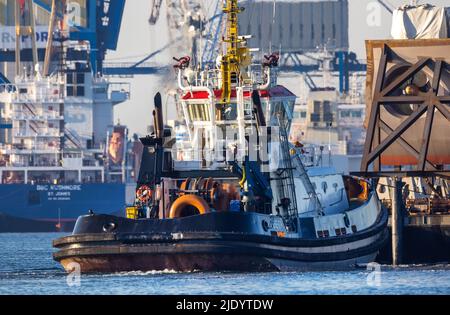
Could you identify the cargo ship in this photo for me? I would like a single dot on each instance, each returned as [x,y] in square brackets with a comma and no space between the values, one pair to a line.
[237,196]
[59,146]
[52,166]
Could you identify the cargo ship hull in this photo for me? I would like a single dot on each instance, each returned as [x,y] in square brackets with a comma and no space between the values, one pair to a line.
[49,208]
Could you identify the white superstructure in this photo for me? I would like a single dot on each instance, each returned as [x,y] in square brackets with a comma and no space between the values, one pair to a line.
[59,127]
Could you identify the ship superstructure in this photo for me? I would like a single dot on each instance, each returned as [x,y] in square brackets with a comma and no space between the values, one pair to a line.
[52,139]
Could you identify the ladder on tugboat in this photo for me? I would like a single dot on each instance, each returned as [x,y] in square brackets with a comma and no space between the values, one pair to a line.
[286,188]
[315,205]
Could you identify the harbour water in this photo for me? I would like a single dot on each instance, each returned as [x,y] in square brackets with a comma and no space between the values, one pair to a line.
[26,267]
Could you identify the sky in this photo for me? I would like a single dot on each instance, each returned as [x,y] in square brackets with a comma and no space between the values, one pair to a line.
[367,20]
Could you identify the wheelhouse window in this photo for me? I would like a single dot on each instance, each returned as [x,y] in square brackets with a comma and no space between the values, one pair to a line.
[199,112]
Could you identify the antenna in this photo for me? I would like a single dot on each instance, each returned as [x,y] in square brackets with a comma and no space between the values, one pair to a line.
[273,23]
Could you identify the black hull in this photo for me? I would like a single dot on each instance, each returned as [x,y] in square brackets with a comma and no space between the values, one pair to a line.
[191,247]
[422,244]
[9,224]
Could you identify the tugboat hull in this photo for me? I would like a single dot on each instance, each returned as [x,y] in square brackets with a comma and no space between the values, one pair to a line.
[185,250]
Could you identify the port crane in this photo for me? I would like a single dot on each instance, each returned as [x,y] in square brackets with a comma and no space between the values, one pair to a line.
[193,26]
[202,36]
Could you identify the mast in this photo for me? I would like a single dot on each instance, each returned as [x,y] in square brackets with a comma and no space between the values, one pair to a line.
[230,67]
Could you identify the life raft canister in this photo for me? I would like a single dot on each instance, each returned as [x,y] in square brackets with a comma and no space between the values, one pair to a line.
[144,194]
[185,201]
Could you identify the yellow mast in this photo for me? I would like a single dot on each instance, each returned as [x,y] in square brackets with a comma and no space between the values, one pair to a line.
[230,66]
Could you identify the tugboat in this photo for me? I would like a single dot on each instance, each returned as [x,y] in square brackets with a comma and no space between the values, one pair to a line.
[236,196]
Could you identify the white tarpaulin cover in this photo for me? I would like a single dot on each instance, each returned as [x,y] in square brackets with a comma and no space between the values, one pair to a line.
[419,22]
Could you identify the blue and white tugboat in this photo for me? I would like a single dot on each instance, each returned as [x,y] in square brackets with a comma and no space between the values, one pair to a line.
[235,195]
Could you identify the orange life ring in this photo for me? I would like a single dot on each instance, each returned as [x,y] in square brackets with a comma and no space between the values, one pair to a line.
[176,210]
[144,194]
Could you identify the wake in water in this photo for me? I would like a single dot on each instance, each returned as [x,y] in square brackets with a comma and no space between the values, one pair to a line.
[412,267]
[147,273]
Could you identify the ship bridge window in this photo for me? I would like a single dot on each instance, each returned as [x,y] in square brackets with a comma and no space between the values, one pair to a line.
[248,108]
[299,114]
[199,112]
[80,90]
[75,84]
[80,78]
[278,109]
[345,114]
[356,114]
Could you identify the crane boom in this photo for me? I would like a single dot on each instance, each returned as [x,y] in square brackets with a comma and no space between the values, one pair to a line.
[387,6]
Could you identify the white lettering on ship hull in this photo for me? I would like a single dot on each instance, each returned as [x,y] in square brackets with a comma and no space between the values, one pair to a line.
[58,188]
[59,192]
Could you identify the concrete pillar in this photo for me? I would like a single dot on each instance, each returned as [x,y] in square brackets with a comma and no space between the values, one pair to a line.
[397,222]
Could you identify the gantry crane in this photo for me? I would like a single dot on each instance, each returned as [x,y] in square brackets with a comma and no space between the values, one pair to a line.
[189,29]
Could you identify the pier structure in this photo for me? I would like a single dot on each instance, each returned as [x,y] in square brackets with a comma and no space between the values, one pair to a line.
[408,115]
